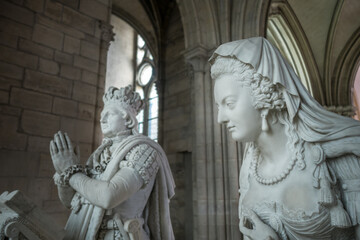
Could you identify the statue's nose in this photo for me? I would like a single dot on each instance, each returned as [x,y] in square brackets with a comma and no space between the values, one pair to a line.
[103,119]
[221,117]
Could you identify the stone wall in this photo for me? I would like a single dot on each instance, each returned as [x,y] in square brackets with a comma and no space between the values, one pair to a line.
[52,67]
[177,128]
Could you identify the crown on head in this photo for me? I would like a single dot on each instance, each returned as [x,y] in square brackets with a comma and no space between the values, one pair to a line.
[125,97]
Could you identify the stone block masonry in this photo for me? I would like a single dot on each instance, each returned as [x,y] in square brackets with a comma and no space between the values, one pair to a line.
[49,80]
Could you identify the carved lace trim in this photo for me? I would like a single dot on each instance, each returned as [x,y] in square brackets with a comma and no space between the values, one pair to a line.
[102,156]
[281,209]
[142,158]
[63,178]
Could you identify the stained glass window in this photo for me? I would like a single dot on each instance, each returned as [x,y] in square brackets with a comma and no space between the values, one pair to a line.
[145,85]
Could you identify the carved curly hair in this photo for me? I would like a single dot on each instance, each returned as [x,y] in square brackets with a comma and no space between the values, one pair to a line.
[129,100]
[265,93]
[124,95]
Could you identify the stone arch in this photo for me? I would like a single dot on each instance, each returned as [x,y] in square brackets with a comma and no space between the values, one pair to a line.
[342,53]
[301,41]
[210,23]
[345,70]
[130,13]
[198,22]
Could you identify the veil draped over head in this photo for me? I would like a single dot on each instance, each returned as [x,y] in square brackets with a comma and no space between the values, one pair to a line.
[312,121]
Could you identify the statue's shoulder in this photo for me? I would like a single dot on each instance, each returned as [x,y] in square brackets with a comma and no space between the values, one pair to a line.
[143,158]
[140,150]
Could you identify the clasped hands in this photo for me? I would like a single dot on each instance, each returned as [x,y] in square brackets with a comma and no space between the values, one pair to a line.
[62,152]
[255,229]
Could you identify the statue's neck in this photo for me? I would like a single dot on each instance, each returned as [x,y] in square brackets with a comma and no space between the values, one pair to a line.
[273,144]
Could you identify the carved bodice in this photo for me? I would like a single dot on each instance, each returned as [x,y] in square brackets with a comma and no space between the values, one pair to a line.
[291,207]
[296,191]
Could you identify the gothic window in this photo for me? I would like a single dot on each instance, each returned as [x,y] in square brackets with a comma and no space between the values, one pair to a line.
[145,86]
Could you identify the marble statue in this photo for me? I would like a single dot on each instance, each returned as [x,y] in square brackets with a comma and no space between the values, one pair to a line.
[123,191]
[300,177]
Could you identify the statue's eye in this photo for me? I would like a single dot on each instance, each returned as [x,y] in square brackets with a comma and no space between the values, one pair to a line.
[230,104]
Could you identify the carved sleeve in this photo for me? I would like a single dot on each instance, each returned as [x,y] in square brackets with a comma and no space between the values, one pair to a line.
[143,159]
[107,194]
[138,168]
[347,170]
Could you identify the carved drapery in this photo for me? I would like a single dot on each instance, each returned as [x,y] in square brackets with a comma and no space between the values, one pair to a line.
[347,111]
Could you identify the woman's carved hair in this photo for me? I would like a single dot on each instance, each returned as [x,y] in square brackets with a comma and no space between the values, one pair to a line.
[128,100]
[265,93]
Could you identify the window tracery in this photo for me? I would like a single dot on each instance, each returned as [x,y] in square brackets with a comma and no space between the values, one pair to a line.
[145,85]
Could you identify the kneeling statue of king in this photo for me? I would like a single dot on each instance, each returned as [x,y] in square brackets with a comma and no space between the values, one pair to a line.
[124,189]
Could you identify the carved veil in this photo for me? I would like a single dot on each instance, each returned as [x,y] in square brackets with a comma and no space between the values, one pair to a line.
[337,136]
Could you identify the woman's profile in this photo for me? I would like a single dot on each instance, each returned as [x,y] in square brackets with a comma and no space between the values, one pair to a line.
[300,177]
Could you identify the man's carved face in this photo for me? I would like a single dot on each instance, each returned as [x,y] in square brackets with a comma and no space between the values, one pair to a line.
[112,120]
[235,109]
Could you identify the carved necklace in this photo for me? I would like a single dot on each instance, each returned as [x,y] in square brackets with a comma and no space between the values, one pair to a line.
[269,181]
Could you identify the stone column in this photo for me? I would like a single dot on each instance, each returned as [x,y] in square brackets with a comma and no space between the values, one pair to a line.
[215,158]
[106,37]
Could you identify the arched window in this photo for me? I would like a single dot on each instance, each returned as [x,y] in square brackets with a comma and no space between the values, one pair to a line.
[278,33]
[145,86]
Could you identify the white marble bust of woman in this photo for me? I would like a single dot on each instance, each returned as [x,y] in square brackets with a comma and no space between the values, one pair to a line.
[124,190]
[300,177]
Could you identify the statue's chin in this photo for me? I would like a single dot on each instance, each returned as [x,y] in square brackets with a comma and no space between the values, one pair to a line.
[238,138]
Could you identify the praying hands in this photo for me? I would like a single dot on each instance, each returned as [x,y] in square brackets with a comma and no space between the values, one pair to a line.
[62,152]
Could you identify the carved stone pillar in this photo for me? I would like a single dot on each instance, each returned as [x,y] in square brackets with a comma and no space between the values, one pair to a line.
[216,159]
[106,36]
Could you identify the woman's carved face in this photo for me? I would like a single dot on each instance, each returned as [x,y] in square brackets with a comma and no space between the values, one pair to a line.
[235,109]
[112,120]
